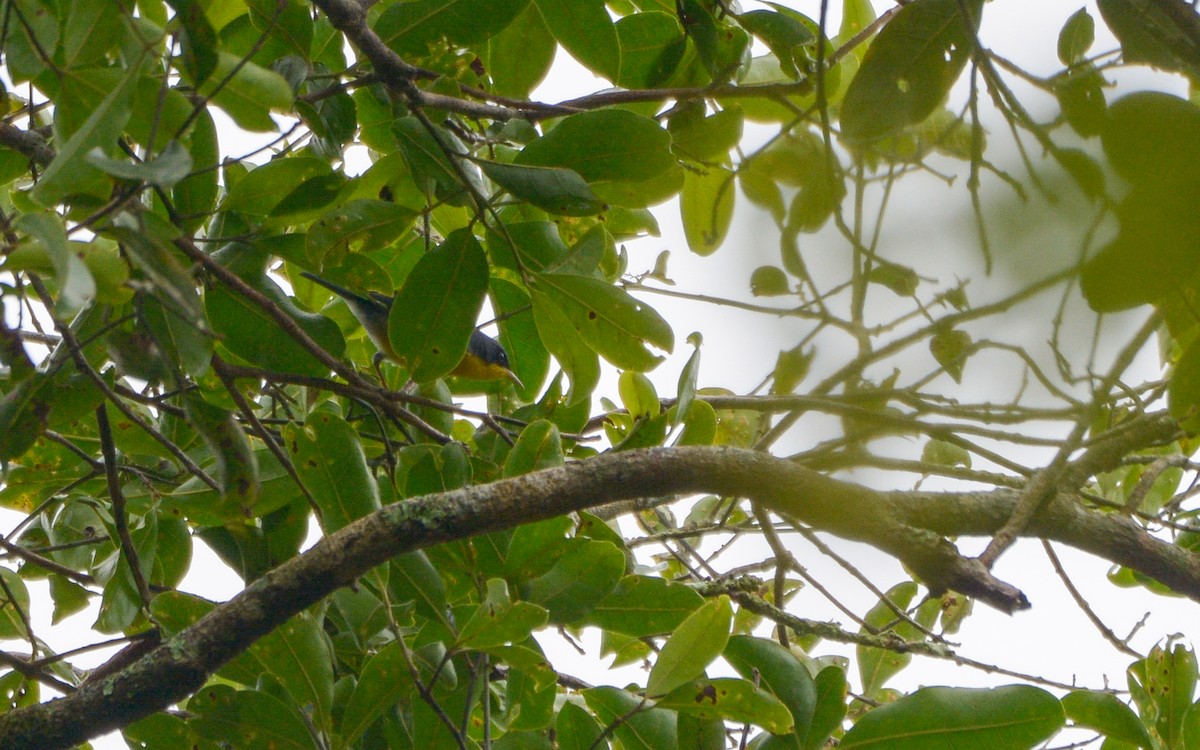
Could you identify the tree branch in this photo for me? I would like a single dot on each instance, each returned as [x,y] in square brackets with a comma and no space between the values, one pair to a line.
[907,524]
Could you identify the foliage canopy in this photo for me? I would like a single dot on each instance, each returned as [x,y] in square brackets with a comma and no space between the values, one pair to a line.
[170,376]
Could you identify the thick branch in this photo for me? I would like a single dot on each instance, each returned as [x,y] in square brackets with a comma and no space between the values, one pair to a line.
[908,525]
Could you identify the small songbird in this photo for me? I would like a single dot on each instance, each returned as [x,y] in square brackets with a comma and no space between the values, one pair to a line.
[485,358]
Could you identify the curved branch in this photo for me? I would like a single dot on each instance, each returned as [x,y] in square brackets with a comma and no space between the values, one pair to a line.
[907,524]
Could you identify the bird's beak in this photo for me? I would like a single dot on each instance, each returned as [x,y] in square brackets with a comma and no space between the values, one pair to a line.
[513,377]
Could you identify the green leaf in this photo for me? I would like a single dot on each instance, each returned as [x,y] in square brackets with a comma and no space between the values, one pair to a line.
[410,28]
[604,145]
[584,28]
[198,40]
[638,395]
[1076,37]
[497,620]
[706,137]
[1165,35]
[566,343]
[538,447]
[429,163]
[250,92]
[642,606]
[261,190]
[730,699]
[75,282]
[692,646]
[575,729]
[688,376]
[582,577]
[780,672]
[647,729]
[1170,680]
[101,130]
[552,189]
[943,453]
[249,719]
[329,459]
[608,319]
[1014,717]
[433,316]
[783,34]
[520,56]
[1108,715]
[909,68]
[830,709]
[652,46]
[165,170]
[1152,138]
[706,208]
[950,349]
[14,606]
[241,323]
[297,654]
[769,281]
[237,467]
[360,226]
[196,195]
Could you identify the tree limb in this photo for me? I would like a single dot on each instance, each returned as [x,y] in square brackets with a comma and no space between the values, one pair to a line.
[909,525]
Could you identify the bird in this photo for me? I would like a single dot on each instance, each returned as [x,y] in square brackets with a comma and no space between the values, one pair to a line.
[485,358]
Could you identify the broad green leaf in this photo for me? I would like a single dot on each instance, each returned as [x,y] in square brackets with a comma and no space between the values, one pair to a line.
[75,282]
[411,577]
[237,468]
[604,145]
[1170,680]
[730,699]
[538,447]
[429,162]
[951,349]
[434,314]
[101,130]
[645,729]
[830,708]
[909,68]
[652,46]
[498,620]
[1152,138]
[1014,717]
[575,729]
[1108,715]
[297,654]
[638,395]
[90,28]
[566,343]
[14,607]
[552,189]
[581,578]
[329,458]
[779,671]
[249,719]
[360,226]
[702,137]
[691,648]
[196,195]
[410,28]
[1152,255]
[527,354]
[250,93]
[198,40]
[706,208]
[261,190]
[1159,34]
[1076,37]
[686,388]
[520,56]
[608,319]
[166,169]
[584,28]
[783,34]
[645,605]
[241,323]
